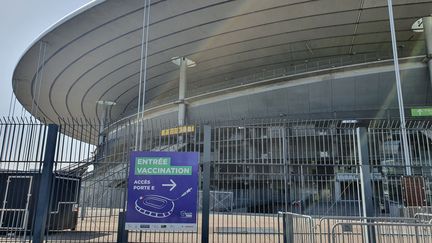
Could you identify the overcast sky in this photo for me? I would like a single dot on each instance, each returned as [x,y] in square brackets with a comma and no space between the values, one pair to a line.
[21,22]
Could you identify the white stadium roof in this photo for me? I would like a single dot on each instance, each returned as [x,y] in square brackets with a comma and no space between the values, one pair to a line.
[95,55]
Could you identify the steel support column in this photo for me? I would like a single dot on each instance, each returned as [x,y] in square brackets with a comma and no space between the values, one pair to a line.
[427,27]
[122,233]
[45,184]
[365,181]
[103,123]
[182,92]
[287,219]
[288,228]
[206,185]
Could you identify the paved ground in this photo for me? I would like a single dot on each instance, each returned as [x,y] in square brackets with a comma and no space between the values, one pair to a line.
[100,225]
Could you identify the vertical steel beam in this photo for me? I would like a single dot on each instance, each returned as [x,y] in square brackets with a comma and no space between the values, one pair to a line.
[44,192]
[399,89]
[287,219]
[206,185]
[122,233]
[182,92]
[288,228]
[365,181]
[102,125]
[287,169]
[427,27]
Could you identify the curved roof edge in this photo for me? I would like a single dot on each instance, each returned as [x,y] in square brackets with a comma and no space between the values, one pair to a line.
[67,17]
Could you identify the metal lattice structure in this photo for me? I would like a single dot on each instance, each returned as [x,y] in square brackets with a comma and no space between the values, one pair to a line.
[313,170]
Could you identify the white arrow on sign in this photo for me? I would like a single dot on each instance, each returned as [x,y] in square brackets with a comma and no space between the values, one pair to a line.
[172,185]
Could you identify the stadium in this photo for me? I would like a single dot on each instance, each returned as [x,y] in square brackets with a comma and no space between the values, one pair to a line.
[284,86]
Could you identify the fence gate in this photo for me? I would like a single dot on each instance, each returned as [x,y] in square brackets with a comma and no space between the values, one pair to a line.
[16,199]
[21,152]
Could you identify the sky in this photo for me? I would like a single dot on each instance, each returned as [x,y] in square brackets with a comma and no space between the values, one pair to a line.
[21,22]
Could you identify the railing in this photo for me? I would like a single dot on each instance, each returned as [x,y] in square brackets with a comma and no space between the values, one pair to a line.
[297,227]
[384,232]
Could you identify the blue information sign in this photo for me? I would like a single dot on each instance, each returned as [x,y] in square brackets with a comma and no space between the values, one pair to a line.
[162,191]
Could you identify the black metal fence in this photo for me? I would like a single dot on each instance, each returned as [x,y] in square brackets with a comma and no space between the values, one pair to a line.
[249,172]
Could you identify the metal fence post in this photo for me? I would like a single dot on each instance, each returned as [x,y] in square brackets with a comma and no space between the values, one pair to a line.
[43,197]
[122,234]
[365,181]
[206,185]
[287,219]
[288,228]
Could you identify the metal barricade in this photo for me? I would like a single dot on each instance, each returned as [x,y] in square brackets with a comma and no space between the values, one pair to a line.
[424,217]
[305,228]
[297,227]
[325,224]
[384,232]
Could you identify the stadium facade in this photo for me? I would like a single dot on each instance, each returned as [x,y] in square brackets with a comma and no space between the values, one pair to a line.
[326,64]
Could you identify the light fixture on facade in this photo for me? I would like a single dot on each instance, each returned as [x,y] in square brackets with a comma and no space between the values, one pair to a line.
[106,102]
[417,26]
[189,62]
[349,121]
